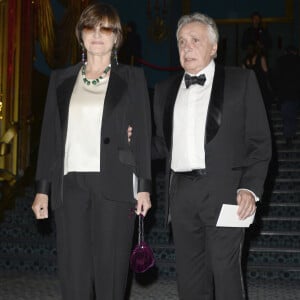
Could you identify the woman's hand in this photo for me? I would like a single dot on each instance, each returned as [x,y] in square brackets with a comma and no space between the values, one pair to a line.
[143,203]
[40,206]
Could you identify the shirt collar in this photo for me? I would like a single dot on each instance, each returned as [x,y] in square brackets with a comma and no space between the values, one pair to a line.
[209,72]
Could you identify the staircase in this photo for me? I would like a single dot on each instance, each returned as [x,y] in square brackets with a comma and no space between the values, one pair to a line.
[274,239]
[25,243]
[272,244]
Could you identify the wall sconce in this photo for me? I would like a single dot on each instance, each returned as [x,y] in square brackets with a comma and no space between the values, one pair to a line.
[157,28]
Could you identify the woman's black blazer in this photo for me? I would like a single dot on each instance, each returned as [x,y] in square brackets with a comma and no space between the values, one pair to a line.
[126,103]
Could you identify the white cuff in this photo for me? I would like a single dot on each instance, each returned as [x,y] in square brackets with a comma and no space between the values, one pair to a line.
[255,197]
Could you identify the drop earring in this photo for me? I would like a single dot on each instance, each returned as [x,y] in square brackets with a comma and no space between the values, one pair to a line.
[115,55]
[82,53]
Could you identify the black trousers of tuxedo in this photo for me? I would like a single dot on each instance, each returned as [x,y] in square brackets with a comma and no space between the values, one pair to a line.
[208,258]
[94,240]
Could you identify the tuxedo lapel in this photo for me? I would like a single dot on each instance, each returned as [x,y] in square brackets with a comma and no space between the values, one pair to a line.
[169,109]
[214,113]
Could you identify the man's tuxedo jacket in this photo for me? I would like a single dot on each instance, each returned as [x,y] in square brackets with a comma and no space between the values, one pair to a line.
[237,136]
[126,103]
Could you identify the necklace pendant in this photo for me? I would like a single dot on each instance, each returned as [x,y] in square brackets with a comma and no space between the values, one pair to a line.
[93,81]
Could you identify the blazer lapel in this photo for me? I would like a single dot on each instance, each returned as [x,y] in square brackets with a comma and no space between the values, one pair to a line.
[169,109]
[214,113]
[115,90]
[64,93]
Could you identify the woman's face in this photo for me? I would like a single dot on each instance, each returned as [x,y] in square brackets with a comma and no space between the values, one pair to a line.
[99,40]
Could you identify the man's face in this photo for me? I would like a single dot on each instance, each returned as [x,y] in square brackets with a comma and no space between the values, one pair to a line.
[255,21]
[196,50]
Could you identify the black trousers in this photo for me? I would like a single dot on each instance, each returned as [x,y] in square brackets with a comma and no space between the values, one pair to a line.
[94,240]
[208,258]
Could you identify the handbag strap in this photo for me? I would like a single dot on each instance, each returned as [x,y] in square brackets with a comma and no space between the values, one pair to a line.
[141,229]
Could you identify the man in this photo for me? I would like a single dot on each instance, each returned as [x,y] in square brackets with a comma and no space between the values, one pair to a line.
[256,34]
[214,133]
[286,76]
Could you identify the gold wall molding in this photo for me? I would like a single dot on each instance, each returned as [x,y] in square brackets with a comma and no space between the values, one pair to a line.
[3,63]
[287,18]
[10,37]
[156,14]
[3,71]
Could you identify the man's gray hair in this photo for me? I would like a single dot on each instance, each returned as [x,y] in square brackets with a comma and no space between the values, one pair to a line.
[203,19]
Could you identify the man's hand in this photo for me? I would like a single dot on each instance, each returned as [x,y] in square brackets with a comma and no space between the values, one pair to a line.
[40,206]
[143,203]
[246,203]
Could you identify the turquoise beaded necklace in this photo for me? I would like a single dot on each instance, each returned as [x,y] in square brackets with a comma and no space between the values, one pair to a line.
[93,81]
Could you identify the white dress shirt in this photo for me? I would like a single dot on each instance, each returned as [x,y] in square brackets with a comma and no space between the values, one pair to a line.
[189,121]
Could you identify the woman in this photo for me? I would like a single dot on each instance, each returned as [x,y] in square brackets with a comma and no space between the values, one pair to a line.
[257,61]
[86,163]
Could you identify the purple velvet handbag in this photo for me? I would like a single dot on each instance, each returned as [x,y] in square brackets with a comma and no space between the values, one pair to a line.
[142,258]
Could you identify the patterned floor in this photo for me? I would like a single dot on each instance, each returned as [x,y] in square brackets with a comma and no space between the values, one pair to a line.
[15,286]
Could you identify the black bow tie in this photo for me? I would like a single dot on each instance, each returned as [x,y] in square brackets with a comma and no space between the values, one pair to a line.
[189,80]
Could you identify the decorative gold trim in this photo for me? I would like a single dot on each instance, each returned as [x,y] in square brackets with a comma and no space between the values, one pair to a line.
[6,139]
[16,94]
[157,29]
[9,95]
[265,20]
[288,18]
[45,28]
[3,70]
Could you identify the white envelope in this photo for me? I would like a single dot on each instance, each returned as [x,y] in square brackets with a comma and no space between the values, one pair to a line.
[134,185]
[228,217]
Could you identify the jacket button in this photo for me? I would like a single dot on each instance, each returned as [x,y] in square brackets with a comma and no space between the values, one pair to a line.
[106,140]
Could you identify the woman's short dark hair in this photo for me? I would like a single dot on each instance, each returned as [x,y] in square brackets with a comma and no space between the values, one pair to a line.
[99,13]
